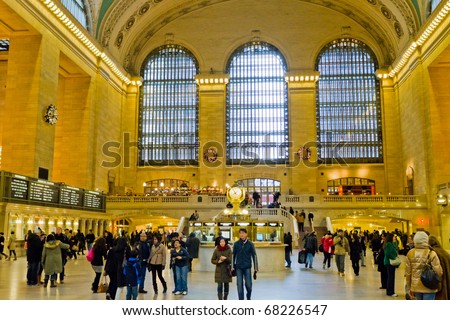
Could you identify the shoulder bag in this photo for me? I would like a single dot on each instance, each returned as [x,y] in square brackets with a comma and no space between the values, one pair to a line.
[395,262]
[429,277]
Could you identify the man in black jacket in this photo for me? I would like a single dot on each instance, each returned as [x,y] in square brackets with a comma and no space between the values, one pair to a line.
[143,248]
[244,254]
[34,255]
[59,235]
[192,246]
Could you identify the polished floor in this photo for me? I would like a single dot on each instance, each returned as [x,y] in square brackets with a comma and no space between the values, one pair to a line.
[291,284]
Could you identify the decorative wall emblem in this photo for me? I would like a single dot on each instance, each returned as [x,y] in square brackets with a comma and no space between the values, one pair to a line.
[304,153]
[51,115]
[210,154]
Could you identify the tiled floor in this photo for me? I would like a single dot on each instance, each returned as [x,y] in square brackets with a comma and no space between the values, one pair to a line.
[291,284]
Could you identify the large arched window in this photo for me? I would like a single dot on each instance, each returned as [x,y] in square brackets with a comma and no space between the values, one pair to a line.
[168,114]
[257,113]
[77,9]
[348,104]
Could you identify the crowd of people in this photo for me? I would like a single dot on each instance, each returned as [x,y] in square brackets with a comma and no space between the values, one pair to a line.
[420,249]
[125,259]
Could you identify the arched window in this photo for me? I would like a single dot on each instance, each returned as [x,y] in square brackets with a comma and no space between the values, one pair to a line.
[431,6]
[168,114]
[77,9]
[257,113]
[348,112]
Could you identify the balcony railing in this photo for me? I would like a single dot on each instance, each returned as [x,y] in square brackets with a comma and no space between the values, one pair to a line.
[306,201]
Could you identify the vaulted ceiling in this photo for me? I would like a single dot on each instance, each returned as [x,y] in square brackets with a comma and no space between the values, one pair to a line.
[129,29]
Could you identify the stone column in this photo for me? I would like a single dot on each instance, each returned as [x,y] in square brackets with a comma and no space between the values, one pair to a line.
[212,151]
[302,127]
[32,80]
[95,228]
[394,168]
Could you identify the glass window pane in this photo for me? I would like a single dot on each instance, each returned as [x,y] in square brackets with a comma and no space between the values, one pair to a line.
[168,117]
[257,112]
[348,104]
[77,9]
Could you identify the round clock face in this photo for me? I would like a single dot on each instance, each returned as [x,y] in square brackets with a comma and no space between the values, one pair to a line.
[235,193]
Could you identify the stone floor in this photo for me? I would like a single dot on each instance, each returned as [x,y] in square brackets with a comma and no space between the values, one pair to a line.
[296,283]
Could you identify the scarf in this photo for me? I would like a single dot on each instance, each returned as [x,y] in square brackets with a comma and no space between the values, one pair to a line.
[220,248]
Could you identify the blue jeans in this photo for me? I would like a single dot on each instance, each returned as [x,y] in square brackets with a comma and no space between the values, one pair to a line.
[181,278]
[340,262]
[287,257]
[32,273]
[241,276]
[425,296]
[132,292]
[142,272]
[309,260]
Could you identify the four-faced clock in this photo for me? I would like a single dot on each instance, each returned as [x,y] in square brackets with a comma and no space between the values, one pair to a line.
[235,193]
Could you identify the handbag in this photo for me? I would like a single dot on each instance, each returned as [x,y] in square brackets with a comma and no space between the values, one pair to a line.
[429,277]
[395,262]
[229,272]
[90,255]
[103,286]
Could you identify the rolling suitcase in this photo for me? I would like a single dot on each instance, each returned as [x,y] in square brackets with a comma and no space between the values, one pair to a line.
[302,256]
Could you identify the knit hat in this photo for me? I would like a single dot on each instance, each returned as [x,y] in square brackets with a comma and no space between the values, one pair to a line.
[421,238]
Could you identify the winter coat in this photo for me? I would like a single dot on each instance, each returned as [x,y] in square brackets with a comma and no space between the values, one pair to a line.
[327,244]
[99,254]
[12,242]
[444,259]
[355,249]
[311,244]
[35,247]
[131,272]
[390,252]
[221,273]
[243,255]
[158,255]
[192,246]
[341,246]
[415,262]
[51,256]
[181,253]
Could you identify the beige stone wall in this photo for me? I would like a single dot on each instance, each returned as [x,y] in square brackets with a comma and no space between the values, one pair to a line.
[3,71]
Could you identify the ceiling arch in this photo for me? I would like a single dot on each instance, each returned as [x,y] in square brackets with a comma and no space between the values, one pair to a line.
[129,29]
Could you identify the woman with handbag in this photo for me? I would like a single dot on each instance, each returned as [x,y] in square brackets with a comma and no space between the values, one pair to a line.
[222,276]
[99,250]
[157,262]
[416,260]
[390,253]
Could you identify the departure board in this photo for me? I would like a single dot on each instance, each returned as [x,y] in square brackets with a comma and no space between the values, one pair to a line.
[22,189]
[45,191]
[71,196]
[93,200]
[19,189]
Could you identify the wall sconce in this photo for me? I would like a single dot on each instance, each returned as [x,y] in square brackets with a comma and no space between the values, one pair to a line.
[441,200]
